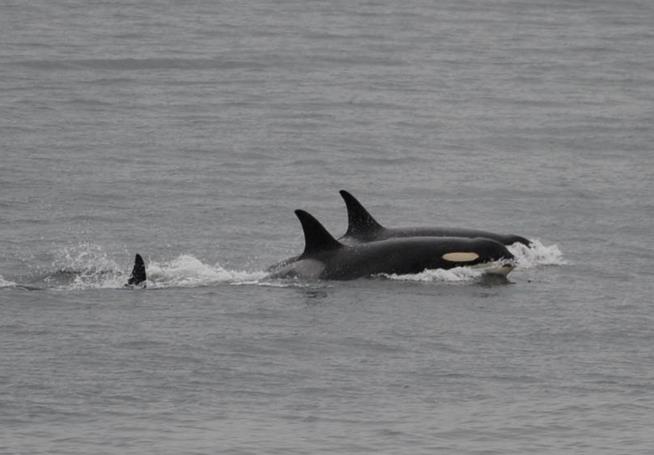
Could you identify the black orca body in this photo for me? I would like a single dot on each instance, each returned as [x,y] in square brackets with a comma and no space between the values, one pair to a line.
[324,257]
[362,227]
[138,277]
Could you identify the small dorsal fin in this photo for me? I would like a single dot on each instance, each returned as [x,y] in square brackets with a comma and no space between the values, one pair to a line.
[360,223]
[138,272]
[316,237]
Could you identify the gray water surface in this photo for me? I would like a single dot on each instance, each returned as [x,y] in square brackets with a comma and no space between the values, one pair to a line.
[189,132]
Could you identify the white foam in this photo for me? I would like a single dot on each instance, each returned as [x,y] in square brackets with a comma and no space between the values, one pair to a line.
[457,274]
[526,257]
[94,281]
[536,254]
[188,271]
[6,283]
[85,256]
[89,266]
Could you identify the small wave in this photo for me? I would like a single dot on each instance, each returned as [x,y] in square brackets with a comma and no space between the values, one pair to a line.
[6,283]
[536,254]
[188,271]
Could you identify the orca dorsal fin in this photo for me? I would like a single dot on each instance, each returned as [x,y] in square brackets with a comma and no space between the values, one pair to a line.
[316,237]
[138,272]
[360,223]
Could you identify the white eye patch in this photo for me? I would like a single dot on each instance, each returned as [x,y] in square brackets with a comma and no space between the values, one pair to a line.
[463,256]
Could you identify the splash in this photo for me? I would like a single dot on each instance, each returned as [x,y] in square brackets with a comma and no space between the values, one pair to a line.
[84,256]
[527,257]
[88,266]
[92,269]
[84,266]
[6,283]
[536,254]
[457,274]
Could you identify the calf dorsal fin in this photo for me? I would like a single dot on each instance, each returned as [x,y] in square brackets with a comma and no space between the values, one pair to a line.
[316,238]
[360,223]
[138,272]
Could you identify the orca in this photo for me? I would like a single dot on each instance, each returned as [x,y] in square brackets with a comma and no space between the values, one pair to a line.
[138,277]
[362,227]
[326,258]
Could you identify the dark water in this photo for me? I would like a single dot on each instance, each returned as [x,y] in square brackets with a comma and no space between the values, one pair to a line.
[189,132]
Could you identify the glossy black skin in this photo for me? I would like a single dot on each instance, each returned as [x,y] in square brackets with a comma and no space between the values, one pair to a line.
[393,256]
[443,234]
[363,227]
[383,233]
[138,276]
[368,248]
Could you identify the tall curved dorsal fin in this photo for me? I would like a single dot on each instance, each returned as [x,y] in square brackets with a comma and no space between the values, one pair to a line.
[316,237]
[359,221]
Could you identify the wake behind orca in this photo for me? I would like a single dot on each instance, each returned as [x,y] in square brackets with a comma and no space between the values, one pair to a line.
[91,276]
[326,258]
[368,248]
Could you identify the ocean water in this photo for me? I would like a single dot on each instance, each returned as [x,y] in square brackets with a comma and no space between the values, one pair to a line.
[190,131]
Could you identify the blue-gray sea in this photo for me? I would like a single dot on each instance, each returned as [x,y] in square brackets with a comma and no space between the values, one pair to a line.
[190,131]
